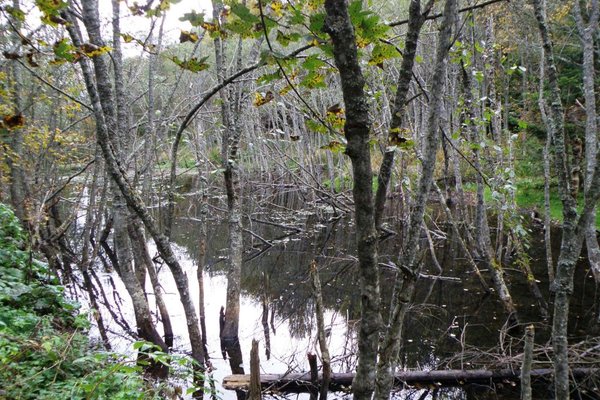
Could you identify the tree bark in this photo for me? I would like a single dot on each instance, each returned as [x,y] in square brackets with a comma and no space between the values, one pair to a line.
[356,130]
[416,18]
[484,242]
[574,226]
[410,265]
[527,361]
[230,159]
[325,358]
[144,262]
[547,146]
[255,389]
[301,382]
[99,88]
[586,35]
[18,181]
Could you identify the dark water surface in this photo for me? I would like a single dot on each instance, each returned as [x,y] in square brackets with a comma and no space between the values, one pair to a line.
[452,318]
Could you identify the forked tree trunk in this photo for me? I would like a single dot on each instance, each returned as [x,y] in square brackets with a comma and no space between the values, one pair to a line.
[99,88]
[408,261]
[109,109]
[416,19]
[586,35]
[143,261]
[574,226]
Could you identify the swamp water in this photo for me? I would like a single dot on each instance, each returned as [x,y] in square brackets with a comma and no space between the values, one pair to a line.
[452,318]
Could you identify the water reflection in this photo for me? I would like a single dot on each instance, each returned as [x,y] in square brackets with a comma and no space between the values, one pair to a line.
[450,316]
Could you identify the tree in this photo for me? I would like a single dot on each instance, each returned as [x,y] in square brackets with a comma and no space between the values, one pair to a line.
[574,224]
[100,91]
[356,131]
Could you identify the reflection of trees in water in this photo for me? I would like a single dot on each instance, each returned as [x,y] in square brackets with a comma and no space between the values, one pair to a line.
[446,312]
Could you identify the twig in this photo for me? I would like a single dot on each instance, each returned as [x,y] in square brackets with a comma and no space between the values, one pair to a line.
[462,10]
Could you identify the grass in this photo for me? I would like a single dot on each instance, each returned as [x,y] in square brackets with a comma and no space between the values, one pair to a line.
[530,195]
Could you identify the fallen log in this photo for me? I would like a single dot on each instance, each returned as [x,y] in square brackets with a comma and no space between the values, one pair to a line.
[301,382]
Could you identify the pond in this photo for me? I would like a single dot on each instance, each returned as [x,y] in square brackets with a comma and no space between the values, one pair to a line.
[452,316]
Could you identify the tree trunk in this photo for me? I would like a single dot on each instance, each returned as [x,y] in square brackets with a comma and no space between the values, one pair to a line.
[484,243]
[416,19]
[18,182]
[144,262]
[527,361]
[326,359]
[573,227]
[230,158]
[99,88]
[409,264]
[586,32]
[356,130]
[547,146]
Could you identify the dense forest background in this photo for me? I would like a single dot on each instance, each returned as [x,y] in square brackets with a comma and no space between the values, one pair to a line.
[413,123]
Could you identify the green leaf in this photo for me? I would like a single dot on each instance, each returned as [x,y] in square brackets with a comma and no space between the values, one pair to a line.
[478,76]
[315,126]
[51,11]
[317,22]
[64,50]
[296,17]
[368,26]
[244,13]
[128,369]
[313,62]
[194,18]
[334,146]
[478,47]
[269,77]
[286,38]
[354,9]
[139,344]
[313,80]
[382,52]
[193,64]
[16,13]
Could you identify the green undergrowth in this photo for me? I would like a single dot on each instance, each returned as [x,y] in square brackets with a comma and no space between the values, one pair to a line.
[45,350]
[530,196]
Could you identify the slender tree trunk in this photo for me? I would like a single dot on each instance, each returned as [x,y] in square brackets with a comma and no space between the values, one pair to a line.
[143,261]
[547,146]
[356,130]
[230,158]
[416,19]
[98,87]
[573,226]
[325,358]
[409,264]
[87,260]
[527,362]
[18,182]
[201,261]
[586,34]
[484,242]
[151,131]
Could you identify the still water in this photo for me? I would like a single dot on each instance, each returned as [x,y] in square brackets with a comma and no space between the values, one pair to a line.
[452,317]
